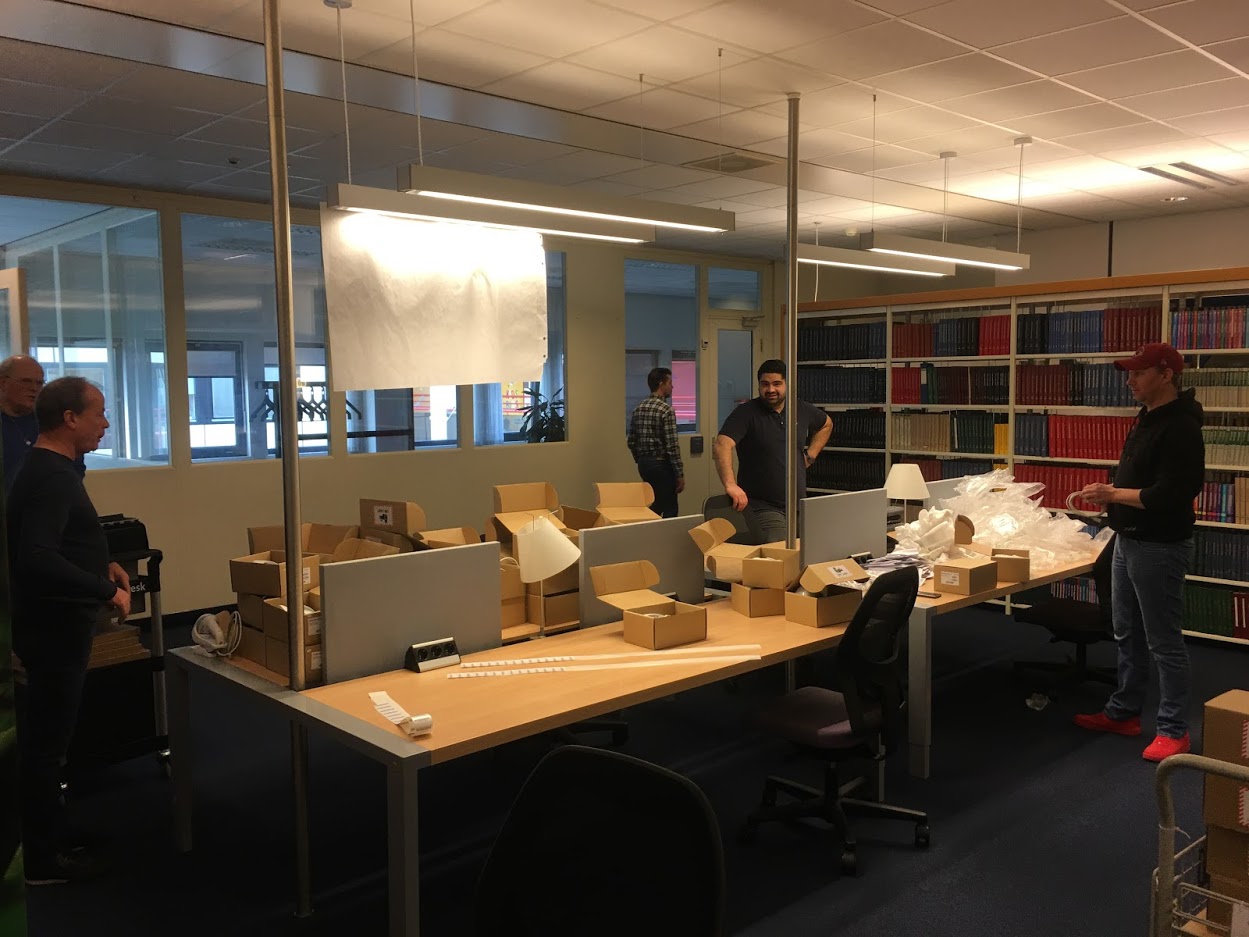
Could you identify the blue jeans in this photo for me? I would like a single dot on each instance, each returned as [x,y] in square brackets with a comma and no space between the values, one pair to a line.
[1148,601]
[770,521]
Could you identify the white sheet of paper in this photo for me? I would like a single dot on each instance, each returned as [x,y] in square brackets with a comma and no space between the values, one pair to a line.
[414,303]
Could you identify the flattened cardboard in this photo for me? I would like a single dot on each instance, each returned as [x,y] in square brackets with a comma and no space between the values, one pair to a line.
[1225,729]
[1013,564]
[250,610]
[277,659]
[276,626]
[756,601]
[265,573]
[1227,853]
[546,611]
[722,559]
[773,568]
[449,537]
[396,517]
[965,576]
[625,502]
[252,646]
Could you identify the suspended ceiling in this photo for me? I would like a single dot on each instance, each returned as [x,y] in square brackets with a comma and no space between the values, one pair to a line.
[149,93]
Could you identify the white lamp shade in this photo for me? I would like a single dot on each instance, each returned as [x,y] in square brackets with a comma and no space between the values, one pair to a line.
[906,482]
[543,551]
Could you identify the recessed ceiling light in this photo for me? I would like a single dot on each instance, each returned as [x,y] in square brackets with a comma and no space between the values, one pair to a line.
[1176,198]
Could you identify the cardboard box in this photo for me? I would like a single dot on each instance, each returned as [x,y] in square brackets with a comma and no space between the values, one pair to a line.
[512,591]
[265,573]
[252,646]
[576,520]
[1227,853]
[625,502]
[1013,564]
[626,586]
[774,568]
[757,601]
[278,659]
[1220,912]
[396,517]
[275,623]
[835,608]
[250,609]
[1226,804]
[313,598]
[449,537]
[316,538]
[401,542]
[568,580]
[965,575]
[1225,733]
[516,506]
[722,559]
[546,611]
[355,549]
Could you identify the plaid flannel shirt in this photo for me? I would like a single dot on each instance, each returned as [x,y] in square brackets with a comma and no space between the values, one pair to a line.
[653,433]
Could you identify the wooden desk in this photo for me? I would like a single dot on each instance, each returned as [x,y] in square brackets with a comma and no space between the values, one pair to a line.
[469,716]
[919,636]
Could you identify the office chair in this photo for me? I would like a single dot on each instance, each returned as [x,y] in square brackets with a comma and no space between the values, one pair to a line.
[722,506]
[860,720]
[605,844]
[1079,623]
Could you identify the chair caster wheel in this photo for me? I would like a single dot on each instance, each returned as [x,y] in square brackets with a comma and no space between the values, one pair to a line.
[748,835]
[850,863]
[921,836]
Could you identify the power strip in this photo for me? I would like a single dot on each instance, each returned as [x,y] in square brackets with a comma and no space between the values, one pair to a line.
[430,655]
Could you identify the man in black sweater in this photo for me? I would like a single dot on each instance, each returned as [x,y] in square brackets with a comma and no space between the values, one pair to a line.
[61,577]
[1150,505]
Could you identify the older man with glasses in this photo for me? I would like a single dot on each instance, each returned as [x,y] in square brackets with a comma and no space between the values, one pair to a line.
[21,379]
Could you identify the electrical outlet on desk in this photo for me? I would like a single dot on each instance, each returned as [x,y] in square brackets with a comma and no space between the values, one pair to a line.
[430,655]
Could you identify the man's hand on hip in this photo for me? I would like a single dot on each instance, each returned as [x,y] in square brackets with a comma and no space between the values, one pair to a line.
[738,496]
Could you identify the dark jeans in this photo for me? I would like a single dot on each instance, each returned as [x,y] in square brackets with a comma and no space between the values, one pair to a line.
[660,475]
[769,520]
[47,711]
[1148,601]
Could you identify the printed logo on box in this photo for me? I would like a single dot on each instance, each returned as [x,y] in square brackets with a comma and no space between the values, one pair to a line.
[949,578]
[382,516]
[841,571]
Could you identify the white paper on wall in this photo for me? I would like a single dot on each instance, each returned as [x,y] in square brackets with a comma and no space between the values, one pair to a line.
[414,303]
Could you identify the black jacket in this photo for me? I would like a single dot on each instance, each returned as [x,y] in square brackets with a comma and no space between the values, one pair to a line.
[1165,457]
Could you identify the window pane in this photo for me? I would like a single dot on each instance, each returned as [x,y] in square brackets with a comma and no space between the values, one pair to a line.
[499,410]
[399,420]
[661,330]
[96,310]
[232,338]
[728,288]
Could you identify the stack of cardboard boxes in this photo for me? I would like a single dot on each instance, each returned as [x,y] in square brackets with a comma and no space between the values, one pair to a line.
[760,575]
[1226,737]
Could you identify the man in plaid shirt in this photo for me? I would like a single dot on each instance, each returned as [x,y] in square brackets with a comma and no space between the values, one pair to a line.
[653,442]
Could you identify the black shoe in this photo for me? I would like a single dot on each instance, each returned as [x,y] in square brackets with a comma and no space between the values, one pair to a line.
[77,865]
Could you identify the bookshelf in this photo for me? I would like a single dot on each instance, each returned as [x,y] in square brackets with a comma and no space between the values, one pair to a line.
[961,381]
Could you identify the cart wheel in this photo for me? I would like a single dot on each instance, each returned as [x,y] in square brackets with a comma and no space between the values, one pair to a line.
[921,835]
[850,863]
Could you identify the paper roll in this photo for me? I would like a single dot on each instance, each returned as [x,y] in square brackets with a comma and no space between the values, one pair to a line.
[543,551]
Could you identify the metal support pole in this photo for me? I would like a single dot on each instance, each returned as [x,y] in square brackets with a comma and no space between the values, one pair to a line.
[791,332]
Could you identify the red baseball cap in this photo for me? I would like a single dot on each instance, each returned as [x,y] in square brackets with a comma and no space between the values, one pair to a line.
[1153,355]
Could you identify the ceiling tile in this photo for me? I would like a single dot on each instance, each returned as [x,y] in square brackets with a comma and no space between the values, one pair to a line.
[16,126]
[1002,105]
[825,142]
[611,188]
[740,128]
[874,50]
[840,105]
[1103,141]
[38,100]
[313,30]
[865,161]
[43,158]
[64,68]
[302,110]
[1194,99]
[428,12]
[1142,76]
[759,82]
[656,176]
[719,187]
[777,24]
[984,23]
[659,9]
[1074,120]
[1081,172]
[1231,120]
[1205,21]
[187,89]
[72,133]
[531,25]
[583,164]
[214,154]
[1234,53]
[133,115]
[925,174]
[231,131]
[1086,47]
[907,124]
[951,78]
[901,7]
[562,85]
[966,142]
[658,109]
[146,171]
[453,59]
[663,54]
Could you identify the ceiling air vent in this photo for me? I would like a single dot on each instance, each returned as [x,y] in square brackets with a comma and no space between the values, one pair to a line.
[1190,174]
[731,162]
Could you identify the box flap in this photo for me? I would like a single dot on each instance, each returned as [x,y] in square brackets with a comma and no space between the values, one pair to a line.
[401,542]
[579,518]
[354,548]
[404,517]
[632,515]
[1021,552]
[526,496]
[324,538]
[967,562]
[449,536]
[627,585]
[516,521]
[624,495]
[964,529]
[713,532]
[272,537]
[836,573]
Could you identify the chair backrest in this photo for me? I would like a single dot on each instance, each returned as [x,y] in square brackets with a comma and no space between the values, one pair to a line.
[722,506]
[870,667]
[601,843]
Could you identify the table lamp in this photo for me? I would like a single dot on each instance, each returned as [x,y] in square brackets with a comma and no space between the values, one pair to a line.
[542,550]
[905,483]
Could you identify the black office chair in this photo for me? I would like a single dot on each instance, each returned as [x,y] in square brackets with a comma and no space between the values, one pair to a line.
[860,720]
[748,531]
[605,844]
[1079,623]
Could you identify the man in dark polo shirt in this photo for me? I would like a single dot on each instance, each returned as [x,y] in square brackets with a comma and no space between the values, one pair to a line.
[756,431]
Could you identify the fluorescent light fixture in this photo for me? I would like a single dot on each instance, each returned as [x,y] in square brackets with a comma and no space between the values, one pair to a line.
[432,184]
[862,260]
[365,198]
[899,245]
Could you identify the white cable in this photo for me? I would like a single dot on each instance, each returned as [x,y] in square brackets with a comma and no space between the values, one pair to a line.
[710,649]
[734,659]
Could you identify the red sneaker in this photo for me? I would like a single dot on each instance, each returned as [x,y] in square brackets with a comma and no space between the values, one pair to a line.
[1163,746]
[1100,722]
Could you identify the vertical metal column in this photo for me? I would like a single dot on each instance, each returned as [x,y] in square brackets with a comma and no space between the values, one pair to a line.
[791,331]
[288,415]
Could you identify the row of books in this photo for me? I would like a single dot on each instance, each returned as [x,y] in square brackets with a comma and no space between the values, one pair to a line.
[1071,437]
[965,431]
[1224,498]
[1059,481]
[1218,387]
[1211,610]
[935,470]
[841,385]
[969,335]
[1071,385]
[1227,445]
[1221,554]
[927,383]
[1081,589]
[847,471]
[1212,327]
[860,430]
[1090,331]
[841,342]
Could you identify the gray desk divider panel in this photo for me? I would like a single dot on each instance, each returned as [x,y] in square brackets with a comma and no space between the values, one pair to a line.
[939,490]
[666,543]
[833,527]
[373,609]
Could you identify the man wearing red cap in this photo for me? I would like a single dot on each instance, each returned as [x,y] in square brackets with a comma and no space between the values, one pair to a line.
[1150,506]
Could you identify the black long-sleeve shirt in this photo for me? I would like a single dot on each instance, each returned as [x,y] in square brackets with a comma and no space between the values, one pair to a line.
[58,556]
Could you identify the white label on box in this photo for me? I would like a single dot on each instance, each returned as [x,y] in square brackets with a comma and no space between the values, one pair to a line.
[313,622]
[314,658]
[307,576]
[1240,919]
[840,571]
[949,578]
[381,515]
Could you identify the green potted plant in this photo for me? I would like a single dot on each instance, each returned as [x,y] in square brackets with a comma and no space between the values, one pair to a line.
[544,417]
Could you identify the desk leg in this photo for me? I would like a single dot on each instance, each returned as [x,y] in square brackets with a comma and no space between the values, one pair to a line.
[299,790]
[403,848]
[179,700]
[919,691]
[791,676]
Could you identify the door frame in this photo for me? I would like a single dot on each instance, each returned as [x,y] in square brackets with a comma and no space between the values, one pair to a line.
[713,321]
[13,280]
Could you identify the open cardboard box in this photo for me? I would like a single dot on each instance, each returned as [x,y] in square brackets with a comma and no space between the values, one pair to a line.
[963,574]
[625,502]
[547,611]
[403,543]
[516,507]
[315,538]
[512,591]
[651,619]
[356,549]
[449,537]
[722,559]
[250,609]
[576,520]
[276,625]
[264,573]
[395,517]
[836,608]
[775,567]
[1014,564]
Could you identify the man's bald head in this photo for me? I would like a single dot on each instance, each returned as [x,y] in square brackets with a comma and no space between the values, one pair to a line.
[21,379]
